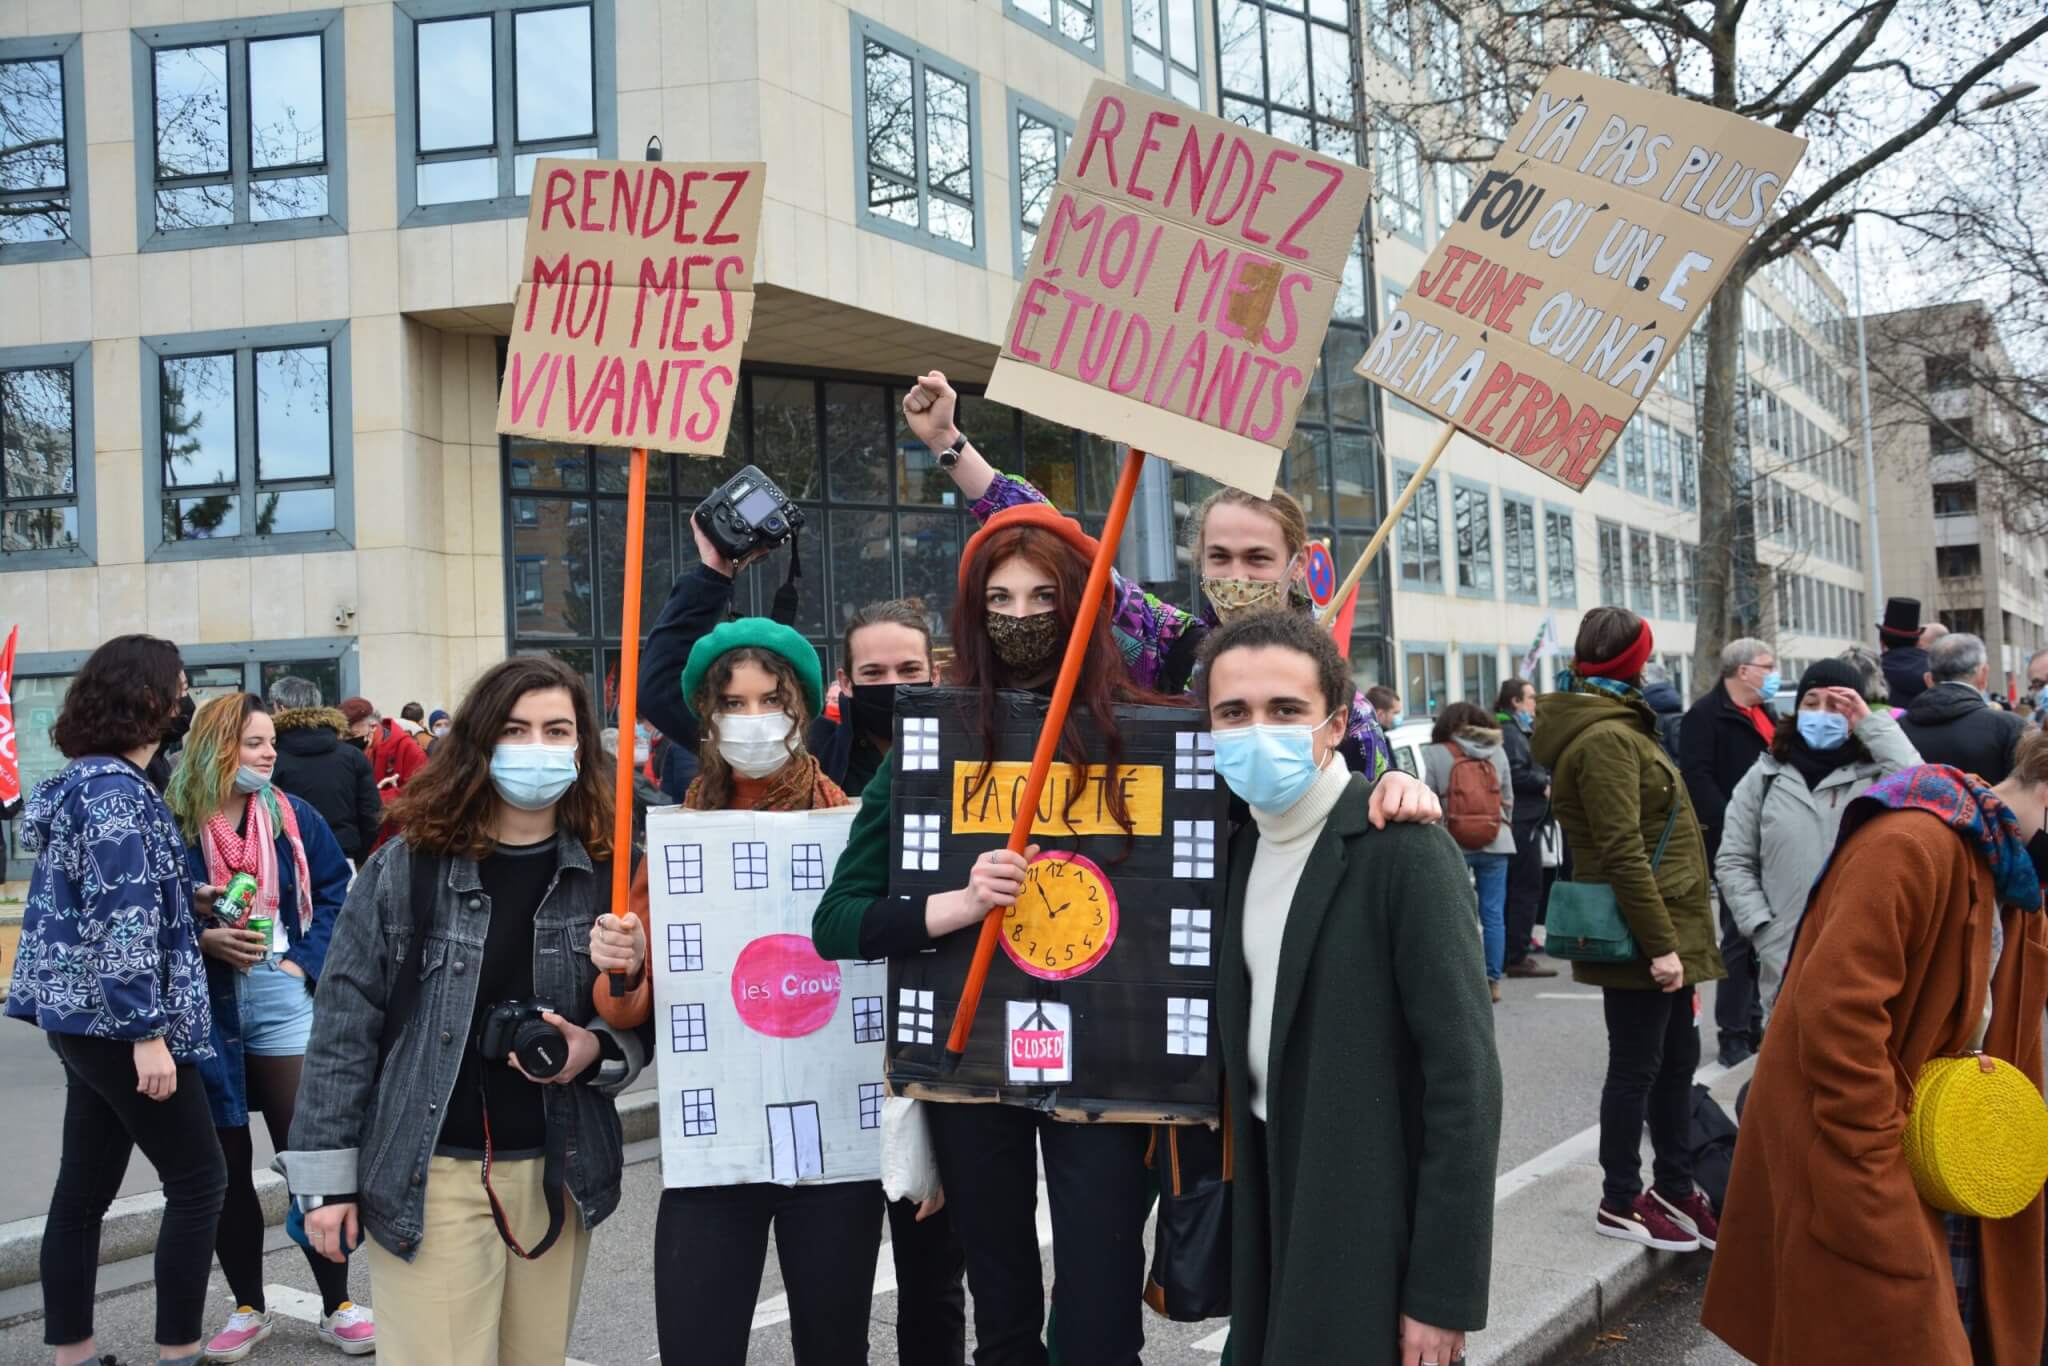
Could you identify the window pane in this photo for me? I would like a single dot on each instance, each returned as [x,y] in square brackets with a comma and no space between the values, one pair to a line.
[615,471]
[1145,22]
[324,674]
[786,434]
[1287,60]
[1038,167]
[947,144]
[299,196]
[40,528]
[1041,10]
[523,164]
[952,221]
[1186,88]
[191,110]
[658,559]
[554,534]
[918,476]
[287,111]
[551,54]
[454,182]
[892,199]
[545,465]
[198,420]
[1237,31]
[195,206]
[200,519]
[1356,466]
[294,427]
[1077,23]
[37,220]
[294,510]
[1147,67]
[1304,471]
[857,443]
[862,571]
[32,125]
[891,119]
[1052,461]
[931,559]
[1342,349]
[769,575]
[454,79]
[36,432]
[1330,49]
[1180,17]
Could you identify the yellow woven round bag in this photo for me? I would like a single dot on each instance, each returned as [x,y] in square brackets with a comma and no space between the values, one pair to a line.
[1977,1139]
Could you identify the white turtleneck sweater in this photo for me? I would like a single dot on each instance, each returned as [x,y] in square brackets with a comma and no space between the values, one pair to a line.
[1285,839]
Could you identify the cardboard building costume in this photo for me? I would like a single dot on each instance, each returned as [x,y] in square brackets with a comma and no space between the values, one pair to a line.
[1100,1004]
[768,1058]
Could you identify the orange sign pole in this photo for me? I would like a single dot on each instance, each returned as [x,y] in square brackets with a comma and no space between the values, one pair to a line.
[629,693]
[1048,743]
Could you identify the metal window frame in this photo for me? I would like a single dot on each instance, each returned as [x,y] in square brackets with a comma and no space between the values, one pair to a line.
[1443,651]
[1663,490]
[1490,653]
[1167,56]
[1571,558]
[1676,585]
[1403,472]
[84,456]
[1484,492]
[251,654]
[69,50]
[1602,525]
[1021,106]
[1396,132]
[244,343]
[236,35]
[1051,32]
[1648,586]
[406,17]
[1537,564]
[921,57]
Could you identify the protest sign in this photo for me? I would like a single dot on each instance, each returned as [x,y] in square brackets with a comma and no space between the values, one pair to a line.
[1107,971]
[1582,257]
[1181,285]
[769,1058]
[635,298]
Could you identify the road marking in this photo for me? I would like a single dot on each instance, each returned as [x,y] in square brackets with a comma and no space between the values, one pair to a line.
[1215,1342]
[1577,1150]
[1567,995]
[305,1307]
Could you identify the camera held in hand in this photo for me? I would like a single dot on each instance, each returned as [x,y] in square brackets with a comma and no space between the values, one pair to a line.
[748,513]
[516,1027]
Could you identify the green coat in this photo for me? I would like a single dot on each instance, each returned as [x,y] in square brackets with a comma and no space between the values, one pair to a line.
[1611,788]
[1368,1191]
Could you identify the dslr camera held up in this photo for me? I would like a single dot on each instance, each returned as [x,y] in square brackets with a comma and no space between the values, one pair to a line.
[516,1027]
[748,513]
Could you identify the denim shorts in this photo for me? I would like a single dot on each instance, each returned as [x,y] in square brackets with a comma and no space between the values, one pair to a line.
[276,1009]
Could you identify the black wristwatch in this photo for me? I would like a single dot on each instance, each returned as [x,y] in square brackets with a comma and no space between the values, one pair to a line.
[950,456]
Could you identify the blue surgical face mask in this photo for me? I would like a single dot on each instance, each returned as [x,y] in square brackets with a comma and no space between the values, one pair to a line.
[1823,729]
[1768,689]
[533,777]
[1269,766]
[248,781]
[1526,720]
[1396,719]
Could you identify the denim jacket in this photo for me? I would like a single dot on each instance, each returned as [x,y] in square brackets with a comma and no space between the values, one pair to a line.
[227,1089]
[369,1133]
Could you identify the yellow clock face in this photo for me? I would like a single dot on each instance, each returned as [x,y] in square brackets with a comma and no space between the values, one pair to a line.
[1064,920]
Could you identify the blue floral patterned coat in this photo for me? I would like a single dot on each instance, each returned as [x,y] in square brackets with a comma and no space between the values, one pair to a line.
[108,944]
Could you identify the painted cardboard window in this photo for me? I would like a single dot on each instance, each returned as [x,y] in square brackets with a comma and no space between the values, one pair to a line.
[700,1113]
[916,1013]
[685,947]
[1194,849]
[686,1027]
[1187,1026]
[1188,937]
[796,1143]
[749,865]
[920,743]
[807,867]
[867,1019]
[684,864]
[921,843]
[871,1094]
[1194,761]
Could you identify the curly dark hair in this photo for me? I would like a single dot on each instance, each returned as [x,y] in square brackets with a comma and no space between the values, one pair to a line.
[1283,629]
[122,699]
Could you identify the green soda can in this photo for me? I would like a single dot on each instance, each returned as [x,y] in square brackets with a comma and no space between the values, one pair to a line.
[235,901]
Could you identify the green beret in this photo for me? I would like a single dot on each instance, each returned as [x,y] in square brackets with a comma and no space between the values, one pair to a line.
[763,634]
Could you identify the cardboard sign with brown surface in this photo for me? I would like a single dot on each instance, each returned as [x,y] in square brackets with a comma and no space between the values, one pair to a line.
[1181,285]
[634,302]
[1583,257]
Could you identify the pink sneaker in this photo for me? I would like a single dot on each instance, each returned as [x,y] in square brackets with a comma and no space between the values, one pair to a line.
[1691,1212]
[1644,1222]
[351,1329]
[246,1327]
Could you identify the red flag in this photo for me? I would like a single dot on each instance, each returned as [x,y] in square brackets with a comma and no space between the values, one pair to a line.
[1340,625]
[10,762]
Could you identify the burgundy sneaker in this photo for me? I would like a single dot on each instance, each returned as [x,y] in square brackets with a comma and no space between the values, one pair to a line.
[1691,1211]
[1644,1222]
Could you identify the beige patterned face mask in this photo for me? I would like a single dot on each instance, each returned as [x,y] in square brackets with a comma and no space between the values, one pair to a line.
[1234,597]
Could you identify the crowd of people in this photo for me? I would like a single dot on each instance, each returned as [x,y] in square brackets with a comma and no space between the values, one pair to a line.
[420,880]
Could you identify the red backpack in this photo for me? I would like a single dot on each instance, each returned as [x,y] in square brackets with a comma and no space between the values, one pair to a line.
[1472,800]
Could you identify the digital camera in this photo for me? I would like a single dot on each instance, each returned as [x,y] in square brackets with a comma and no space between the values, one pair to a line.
[747,513]
[516,1027]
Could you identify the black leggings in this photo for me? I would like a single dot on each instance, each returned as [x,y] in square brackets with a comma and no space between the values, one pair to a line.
[105,1120]
[273,1085]
[1653,1048]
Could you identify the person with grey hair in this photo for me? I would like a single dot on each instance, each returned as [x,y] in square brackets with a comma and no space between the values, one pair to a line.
[1663,698]
[1869,667]
[1723,736]
[316,767]
[1953,722]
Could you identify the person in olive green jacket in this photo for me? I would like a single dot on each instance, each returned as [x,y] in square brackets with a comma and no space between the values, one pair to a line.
[1614,790]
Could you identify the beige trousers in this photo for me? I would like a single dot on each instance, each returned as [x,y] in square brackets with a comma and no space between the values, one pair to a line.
[468,1300]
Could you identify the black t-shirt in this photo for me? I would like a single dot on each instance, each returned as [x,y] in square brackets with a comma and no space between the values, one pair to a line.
[516,879]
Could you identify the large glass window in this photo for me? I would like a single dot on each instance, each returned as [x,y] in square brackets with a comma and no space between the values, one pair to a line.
[42,149]
[1166,55]
[1481,669]
[486,88]
[1038,143]
[1560,557]
[244,121]
[916,122]
[1289,73]
[1446,54]
[1519,560]
[1387,23]
[1070,23]
[45,456]
[1613,579]
[1688,473]
[1397,178]
[1427,689]
[1453,187]
[1641,584]
[1667,578]
[1660,461]
[250,437]
[1472,524]
[1421,535]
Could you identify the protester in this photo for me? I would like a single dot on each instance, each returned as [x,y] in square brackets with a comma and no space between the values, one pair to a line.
[1251,551]
[1386,707]
[1870,680]
[1515,708]
[887,644]
[400,1116]
[412,719]
[437,726]
[165,761]
[1952,722]
[1786,810]
[1905,656]
[1923,939]
[2037,688]
[260,988]
[1467,768]
[393,754]
[314,765]
[1364,1092]
[1724,734]
[1661,695]
[1615,792]
[109,966]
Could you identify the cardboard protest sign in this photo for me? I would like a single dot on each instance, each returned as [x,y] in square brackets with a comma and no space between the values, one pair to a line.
[1580,261]
[1181,285]
[1100,1003]
[769,1058]
[635,299]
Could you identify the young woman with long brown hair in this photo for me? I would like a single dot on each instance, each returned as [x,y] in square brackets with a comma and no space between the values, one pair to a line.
[260,985]
[417,1124]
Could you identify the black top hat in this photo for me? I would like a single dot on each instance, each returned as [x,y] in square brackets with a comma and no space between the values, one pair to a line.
[1901,624]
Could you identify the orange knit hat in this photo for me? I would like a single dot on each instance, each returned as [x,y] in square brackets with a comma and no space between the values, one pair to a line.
[1044,516]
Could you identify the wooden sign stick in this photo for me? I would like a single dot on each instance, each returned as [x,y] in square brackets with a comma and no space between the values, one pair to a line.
[629,695]
[1379,538]
[1048,744]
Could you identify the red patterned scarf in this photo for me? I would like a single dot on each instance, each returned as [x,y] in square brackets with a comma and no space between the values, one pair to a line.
[228,853]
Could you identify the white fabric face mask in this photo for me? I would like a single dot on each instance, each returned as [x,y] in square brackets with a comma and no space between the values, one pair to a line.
[755,745]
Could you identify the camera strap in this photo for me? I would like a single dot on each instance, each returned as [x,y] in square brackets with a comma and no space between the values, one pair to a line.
[551,1178]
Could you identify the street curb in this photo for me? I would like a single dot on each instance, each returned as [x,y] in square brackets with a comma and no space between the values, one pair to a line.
[131,1224]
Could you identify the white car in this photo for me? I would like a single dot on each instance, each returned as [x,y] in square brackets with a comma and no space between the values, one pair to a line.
[1408,740]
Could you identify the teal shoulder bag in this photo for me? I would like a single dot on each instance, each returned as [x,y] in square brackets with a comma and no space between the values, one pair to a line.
[1583,921]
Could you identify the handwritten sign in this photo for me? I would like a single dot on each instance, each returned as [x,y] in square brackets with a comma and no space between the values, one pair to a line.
[988,805]
[635,300]
[1181,285]
[1582,258]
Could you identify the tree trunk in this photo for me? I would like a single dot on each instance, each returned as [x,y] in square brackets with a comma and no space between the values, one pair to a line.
[1720,447]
